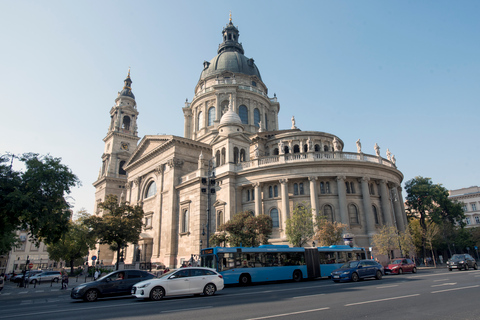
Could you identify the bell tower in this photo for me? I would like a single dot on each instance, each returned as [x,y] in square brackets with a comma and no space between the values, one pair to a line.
[120,143]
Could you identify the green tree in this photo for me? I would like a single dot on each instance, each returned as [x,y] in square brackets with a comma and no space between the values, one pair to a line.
[244,229]
[386,240]
[75,244]
[329,233]
[299,228]
[119,225]
[429,203]
[34,199]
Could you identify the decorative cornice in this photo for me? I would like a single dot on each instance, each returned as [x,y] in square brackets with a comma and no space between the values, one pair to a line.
[175,163]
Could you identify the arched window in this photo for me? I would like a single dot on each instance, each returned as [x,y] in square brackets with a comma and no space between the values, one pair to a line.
[274,216]
[375,214]
[219,219]
[325,148]
[353,214]
[151,190]
[256,117]
[248,195]
[328,212]
[266,122]
[200,120]
[236,155]
[275,152]
[305,148]
[317,148]
[286,150]
[242,155]
[222,160]
[217,158]
[121,171]
[126,123]
[270,192]
[327,187]
[275,191]
[296,149]
[300,186]
[184,221]
[211,116]
[295,189]
[243,113]
[322,187]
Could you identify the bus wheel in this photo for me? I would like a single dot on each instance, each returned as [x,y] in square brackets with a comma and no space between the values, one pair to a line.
[244,279]
[297,275]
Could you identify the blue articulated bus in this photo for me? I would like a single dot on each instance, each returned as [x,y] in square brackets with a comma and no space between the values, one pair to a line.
[241,265]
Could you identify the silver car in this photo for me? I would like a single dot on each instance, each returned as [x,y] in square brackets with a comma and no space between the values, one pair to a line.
[46,276]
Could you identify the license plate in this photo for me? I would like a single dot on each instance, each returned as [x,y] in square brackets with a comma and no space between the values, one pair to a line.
[336,277]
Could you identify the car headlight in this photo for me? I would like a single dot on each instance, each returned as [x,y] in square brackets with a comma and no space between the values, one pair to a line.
[80,287]
[462,261]
[143,285]
[346,272]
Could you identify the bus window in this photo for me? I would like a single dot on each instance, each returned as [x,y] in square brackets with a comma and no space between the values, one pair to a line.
[342,257]
[271,259]
[327,257]
[226,261]
[208,262]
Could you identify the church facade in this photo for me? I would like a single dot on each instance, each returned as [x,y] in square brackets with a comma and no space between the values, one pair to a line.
[234,158]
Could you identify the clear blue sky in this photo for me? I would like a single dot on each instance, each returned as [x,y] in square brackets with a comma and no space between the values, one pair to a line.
[403,74]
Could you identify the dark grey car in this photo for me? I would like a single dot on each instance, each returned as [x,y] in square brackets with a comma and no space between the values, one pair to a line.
[113,284]
[461,261]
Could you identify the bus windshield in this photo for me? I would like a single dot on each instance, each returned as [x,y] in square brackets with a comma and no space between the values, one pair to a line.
[209,261]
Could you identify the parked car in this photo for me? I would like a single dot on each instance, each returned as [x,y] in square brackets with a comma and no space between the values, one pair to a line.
[401,265]
[116,283]
[46,276]
[191,280]
[355,270]
[461,261]
[28,274]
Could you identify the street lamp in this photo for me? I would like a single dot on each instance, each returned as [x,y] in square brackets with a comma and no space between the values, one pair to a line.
[98,255]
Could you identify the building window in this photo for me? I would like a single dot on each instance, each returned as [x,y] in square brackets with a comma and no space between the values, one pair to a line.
[327,187]
[375,214]
[305,148]
[243,113]
[242,155]
[322,187]
[121,171]
[295,189]
[151,189]
[275,152]
[296,149]
[465,208]
[184,226]
[286,150]
[477,219]
[211,116]
[270,192]
[325,148]
[254,84]
[266,122]
[236,155]
[317,148]
[468,221]
[274,216]
[353,214]
[256,117]
[350,187]
[253,194]
[300,186]
[372,190]
[275,191]
[200,120]
[248,195]
[328,212]
[219,219]
[474,207]
[347,187]
[126,123]
[222,160]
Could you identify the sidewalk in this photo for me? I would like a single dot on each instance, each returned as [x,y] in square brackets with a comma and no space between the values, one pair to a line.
[12,288]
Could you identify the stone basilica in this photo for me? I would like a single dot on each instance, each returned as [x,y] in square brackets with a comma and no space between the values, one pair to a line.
[233,158]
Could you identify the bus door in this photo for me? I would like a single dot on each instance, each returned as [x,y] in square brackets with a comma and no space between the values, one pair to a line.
[312,259]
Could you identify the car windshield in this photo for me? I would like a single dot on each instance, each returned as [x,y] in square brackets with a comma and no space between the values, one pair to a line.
[457,256]
[166,274]
[350,264]
[397,261]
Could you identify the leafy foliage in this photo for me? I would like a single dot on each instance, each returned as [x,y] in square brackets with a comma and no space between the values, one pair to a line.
[299,228]
[244,229]
[329,233]
[34,199]
[119,225]
[74,244]
[389,239]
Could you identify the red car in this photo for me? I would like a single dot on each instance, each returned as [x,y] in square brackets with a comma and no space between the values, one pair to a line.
[401,265]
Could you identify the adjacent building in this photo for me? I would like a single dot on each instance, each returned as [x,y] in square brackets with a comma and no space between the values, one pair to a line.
[470,197]
[233,157]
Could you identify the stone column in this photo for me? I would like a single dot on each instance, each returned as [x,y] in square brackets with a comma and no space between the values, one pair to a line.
[285,204]
[367,208]
[385,203]
[314,198]
[258,200]
[342,200]
[397,210]
[402,206]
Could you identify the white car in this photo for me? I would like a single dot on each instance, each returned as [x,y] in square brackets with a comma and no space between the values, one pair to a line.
[191,280]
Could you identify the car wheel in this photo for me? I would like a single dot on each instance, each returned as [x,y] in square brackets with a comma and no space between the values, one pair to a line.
[355,277]
[209,289]
[91,295]
[297,275]
[157,294]
[379,275]
[414,270]
[244,279]
[55,280]
[466,266]
[400,271]
[475,267]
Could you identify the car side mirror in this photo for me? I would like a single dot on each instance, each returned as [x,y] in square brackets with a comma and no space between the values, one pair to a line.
[360,267]
[108,280]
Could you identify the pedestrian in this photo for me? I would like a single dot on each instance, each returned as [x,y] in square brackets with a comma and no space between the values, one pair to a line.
[64,280]
[96,274]
[2,282]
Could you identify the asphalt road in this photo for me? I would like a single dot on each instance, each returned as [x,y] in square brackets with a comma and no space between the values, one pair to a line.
[432,294]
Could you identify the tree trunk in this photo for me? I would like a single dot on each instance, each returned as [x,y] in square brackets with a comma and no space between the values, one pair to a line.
[118,258]
[71,267]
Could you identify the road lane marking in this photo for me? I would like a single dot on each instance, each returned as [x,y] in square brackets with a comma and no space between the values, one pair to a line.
[311,295]
[444,284]
[186,309]
[393,285]
[454,289]
[441,280]
[289,314]
[380,300]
